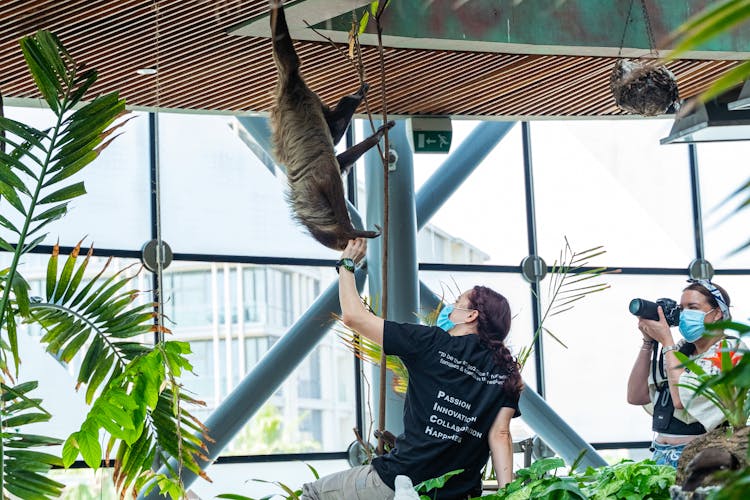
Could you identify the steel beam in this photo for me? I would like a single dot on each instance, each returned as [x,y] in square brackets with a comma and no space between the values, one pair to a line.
[403,291]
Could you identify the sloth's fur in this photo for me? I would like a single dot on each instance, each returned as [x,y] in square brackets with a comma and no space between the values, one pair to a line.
[304,134]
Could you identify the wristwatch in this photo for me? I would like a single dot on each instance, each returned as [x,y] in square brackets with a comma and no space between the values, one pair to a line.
[667,348]
[346,263]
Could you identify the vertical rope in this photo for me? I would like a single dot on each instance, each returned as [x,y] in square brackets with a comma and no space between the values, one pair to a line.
[386,170]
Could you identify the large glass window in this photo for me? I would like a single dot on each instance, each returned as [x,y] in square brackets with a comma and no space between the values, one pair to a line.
[483,221]
[115,212]
[587,378]
[604,183]
[611,184]
[721,174]
[219,198]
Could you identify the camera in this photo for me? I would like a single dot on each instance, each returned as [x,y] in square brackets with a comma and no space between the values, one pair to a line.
[646,309]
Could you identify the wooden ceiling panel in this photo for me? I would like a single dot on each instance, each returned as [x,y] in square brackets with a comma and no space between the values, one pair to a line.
[203,67]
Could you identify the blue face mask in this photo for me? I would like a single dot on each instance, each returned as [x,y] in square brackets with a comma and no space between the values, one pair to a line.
[692,324]
[443,320]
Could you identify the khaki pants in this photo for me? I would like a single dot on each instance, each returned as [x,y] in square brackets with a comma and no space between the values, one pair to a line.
[359,483]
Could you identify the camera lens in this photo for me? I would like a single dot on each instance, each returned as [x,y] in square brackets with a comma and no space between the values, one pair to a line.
[644,309]
[635,307]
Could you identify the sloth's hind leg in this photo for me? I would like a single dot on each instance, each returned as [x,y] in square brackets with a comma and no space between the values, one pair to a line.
[348,157]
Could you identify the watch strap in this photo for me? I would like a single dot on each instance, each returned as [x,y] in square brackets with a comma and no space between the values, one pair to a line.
[667,348]
[346,263]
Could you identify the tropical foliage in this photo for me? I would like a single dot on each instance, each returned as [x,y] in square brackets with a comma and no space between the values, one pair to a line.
[726,385]
[569,283]
[714,20]
[131,384]
[625,480]
[291,494]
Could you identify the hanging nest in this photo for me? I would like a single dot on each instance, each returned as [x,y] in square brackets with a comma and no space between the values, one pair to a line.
[643,89]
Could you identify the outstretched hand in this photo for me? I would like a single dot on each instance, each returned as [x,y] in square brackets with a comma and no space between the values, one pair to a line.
[355,250]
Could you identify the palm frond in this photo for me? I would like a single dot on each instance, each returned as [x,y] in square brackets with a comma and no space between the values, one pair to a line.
[26,470]
[370,352]
[568,285]
[129,383]
[69,145]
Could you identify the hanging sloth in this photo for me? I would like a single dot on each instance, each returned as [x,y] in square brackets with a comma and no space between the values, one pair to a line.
[304,132]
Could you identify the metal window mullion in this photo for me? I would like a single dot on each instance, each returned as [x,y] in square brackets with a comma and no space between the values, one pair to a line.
[695,189]
[351,194]
[532,240]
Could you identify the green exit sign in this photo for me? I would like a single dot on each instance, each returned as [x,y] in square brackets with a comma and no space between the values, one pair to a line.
[431,134]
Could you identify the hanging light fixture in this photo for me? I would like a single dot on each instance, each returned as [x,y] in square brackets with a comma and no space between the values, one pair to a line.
[712,121]
[743,100]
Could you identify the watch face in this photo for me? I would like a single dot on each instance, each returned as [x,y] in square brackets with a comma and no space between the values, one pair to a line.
[347,264]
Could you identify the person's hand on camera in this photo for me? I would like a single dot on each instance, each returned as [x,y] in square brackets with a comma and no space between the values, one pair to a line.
[656,330]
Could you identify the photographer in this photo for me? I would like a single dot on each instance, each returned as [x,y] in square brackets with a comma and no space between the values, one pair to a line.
[678,415]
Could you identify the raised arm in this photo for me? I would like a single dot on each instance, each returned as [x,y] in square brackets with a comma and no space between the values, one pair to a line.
[353,312]
[659,331]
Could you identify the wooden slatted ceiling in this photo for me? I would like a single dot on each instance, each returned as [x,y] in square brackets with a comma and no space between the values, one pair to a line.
[202,67]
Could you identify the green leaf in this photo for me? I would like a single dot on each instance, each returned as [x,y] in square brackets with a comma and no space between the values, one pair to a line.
[10,326]
[91,360]
[101,371]
[70,450]
[24,419]
[76,281]
[10,194]
[727,81]
[53,213]
[28,134]
[721,20]
[88,444]
[21,291]
[66,273]
[83,82]
[8,225]
[52,272]
[437,482]
[66,193]
[72,165]
[45,80]
[75,345]
[4,245]
[30,246]
[8,177]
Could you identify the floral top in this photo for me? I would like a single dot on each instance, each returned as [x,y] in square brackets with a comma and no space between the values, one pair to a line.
[700,407]
[697,408]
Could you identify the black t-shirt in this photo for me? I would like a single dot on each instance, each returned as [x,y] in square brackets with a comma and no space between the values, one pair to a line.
[455,392]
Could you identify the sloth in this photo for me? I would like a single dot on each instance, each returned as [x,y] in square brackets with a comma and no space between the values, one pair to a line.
[304,132]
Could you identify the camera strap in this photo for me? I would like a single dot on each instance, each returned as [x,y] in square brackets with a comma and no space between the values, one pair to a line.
[663,419]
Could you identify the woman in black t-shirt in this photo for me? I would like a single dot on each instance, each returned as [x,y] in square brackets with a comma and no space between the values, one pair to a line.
[464,386]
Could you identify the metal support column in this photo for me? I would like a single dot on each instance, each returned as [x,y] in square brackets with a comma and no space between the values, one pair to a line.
[403,291]
[536,308]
